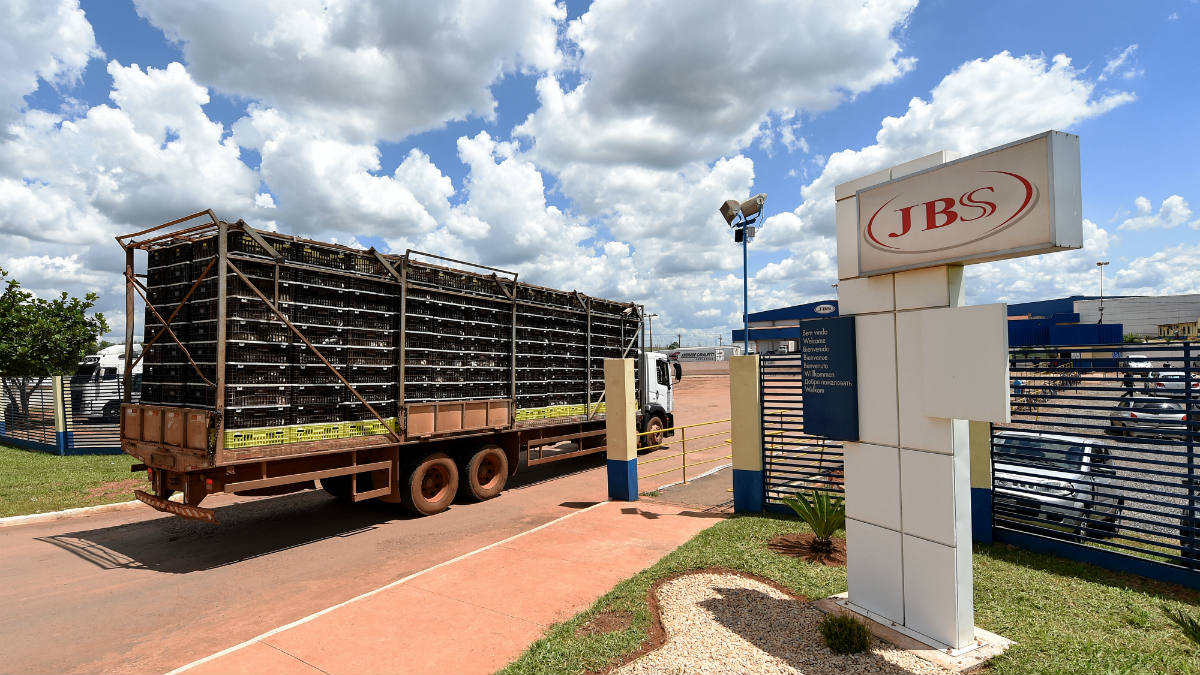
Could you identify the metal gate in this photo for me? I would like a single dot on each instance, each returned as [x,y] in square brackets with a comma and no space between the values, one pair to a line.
[1099,462]
[793,461]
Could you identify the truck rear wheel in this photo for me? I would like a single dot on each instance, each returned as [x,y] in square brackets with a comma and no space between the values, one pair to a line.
[431,485]
[654,432]
[484,474]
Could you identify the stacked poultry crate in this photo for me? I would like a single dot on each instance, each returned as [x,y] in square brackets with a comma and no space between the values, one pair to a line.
[466,336]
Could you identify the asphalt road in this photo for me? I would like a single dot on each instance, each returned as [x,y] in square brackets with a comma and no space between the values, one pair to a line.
[140,592]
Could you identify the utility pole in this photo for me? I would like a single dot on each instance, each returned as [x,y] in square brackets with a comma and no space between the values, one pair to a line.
[1101,266]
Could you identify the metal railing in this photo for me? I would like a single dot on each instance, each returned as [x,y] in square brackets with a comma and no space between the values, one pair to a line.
[62,415]
[1100,455]
[682,440]
[793,461]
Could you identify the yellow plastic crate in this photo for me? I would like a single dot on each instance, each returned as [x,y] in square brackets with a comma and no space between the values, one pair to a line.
[316,432]
[363,428]
[246,438]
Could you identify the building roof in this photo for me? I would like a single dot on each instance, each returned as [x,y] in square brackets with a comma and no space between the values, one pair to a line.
[805,311]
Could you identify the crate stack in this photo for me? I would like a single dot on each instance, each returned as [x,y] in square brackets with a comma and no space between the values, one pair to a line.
[467,336]
[343,302]
[458,335]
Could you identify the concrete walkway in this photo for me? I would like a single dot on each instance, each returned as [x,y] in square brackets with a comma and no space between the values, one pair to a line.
[478,612]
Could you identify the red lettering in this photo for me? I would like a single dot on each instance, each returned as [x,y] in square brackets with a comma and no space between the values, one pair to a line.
[985,207]
[905,221]
[943,206]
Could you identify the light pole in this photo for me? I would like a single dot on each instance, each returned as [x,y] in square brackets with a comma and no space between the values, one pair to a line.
[1101,265]
[650,318]
[740,217]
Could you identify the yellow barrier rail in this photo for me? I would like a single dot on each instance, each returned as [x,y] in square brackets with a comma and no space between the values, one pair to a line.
[683,441]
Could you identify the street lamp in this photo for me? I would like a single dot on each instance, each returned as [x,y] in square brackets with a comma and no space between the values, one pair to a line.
[740,217]
[1101,265]
[650,318]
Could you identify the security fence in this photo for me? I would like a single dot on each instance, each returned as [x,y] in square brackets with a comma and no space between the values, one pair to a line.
[64,415]
[793,461]
[1100,458]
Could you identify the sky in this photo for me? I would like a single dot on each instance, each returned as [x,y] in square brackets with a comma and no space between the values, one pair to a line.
[586,146]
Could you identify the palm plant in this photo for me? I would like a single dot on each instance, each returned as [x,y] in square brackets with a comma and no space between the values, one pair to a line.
[824,513]
[1186,622]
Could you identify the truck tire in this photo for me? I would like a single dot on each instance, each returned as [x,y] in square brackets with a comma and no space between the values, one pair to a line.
[431,485]
[337,486]
[484,474]
[650,440]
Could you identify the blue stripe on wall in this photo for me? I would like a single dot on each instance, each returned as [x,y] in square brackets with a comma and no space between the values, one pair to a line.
[747,491]
[1151,569]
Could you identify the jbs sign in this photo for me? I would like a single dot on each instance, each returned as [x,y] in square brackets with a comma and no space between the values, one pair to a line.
[1019,199]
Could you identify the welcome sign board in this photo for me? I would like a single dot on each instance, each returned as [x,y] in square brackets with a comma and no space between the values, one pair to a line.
[1015,200]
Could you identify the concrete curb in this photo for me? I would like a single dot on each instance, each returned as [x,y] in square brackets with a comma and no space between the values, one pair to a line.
[34,518]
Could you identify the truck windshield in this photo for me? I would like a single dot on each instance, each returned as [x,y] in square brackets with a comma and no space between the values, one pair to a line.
[1057,454]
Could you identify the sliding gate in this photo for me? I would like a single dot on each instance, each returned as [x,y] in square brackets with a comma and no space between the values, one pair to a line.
[793,461]
[1099,462]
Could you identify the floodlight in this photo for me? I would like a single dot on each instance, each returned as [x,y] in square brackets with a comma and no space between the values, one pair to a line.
[730,209]
[752,206]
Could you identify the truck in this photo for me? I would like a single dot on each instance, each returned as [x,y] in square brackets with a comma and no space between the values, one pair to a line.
[274,362]
[97,386]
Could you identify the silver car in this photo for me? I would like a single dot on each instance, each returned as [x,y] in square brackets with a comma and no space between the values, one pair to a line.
[1151,417]
[1063,482]
[1174,383]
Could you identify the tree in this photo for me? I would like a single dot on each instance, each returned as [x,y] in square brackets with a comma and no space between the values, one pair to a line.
[40,338]
[673,345]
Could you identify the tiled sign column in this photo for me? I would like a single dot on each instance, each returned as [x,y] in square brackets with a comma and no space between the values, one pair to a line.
[926,365]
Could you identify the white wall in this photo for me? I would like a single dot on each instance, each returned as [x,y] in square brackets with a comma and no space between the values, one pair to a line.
[1142,315]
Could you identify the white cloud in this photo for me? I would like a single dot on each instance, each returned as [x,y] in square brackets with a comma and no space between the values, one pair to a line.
[982,103]
[1173,212]
[1038,277]
[653,93]
[1171,271]
[47,40]
[364,70]
[1121,66]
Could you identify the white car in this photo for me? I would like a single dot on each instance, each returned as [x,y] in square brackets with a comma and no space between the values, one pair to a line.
[1174,383]
[1062,481]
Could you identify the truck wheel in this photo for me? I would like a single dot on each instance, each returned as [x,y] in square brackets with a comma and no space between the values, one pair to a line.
[654,424]
[111,411]
[431,485]
[484,475]
[337,486]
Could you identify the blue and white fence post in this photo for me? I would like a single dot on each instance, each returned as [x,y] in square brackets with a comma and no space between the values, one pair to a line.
[620,426]
[745,431]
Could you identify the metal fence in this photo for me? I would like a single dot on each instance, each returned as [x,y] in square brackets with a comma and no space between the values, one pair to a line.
[793,461]
[1100,458]
[63,415]
[714,436]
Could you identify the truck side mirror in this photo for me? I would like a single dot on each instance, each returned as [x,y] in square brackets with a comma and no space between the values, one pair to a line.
[678,368]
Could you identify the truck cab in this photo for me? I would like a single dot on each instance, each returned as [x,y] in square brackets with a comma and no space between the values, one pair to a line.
[657,396]
[97,388]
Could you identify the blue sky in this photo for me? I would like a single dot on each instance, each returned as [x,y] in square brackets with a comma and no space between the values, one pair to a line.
[586,145]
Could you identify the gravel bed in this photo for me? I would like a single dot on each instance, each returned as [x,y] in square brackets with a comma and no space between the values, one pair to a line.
[727,623]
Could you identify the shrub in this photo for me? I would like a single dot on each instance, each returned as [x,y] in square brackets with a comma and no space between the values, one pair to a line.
[825,514]
[1186,622]
[844,634]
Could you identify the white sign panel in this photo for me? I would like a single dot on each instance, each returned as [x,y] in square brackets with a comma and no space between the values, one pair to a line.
[1019,199]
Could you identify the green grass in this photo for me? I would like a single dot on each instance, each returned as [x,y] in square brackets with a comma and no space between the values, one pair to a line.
[1066,617]
[37,482]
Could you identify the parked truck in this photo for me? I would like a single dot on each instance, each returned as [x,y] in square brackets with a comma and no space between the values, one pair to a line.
[273,362]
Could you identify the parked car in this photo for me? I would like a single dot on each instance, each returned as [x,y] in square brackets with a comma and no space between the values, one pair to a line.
[1174,383]
[1061,481]
[1151,417]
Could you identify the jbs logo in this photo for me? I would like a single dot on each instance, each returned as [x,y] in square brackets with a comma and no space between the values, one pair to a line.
[946,222]
[825,309]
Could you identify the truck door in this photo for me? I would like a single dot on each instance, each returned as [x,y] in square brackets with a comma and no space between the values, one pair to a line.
[660,388]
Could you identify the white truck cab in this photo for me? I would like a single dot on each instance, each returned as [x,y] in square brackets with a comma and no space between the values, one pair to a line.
[98,386]
[657,395]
